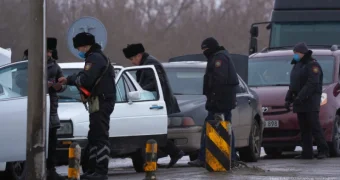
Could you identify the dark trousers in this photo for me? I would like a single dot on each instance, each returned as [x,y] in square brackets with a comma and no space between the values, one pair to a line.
[52,149]
[98,149]
[170,149]
[227,116]
[310,127]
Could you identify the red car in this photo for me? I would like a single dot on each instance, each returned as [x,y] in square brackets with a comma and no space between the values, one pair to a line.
[269,73]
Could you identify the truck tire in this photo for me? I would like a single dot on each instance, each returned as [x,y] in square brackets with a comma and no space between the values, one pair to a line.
[334,146]
[252,152]
[138,160]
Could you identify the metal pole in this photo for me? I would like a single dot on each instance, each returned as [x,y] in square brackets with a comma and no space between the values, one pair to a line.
[36,110]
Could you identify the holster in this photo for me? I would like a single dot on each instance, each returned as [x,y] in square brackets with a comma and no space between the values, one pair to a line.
[93,104]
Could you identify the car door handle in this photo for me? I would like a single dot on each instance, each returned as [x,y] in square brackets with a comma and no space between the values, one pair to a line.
[156,107]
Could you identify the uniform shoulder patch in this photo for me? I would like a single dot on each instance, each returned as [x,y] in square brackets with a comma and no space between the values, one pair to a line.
[88,66]
[315,69]
[218,63]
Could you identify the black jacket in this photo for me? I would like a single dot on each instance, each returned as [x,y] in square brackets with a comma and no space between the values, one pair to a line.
[220,82]
[95,65]
[305,89]
[54,72]
[146,80]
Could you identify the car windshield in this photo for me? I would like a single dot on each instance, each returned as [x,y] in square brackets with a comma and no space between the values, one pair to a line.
[312,33]
[275,71]
[71,93]
[186,81]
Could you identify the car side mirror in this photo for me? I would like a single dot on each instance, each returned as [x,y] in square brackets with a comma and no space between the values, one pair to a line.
[134,96]
[336,90]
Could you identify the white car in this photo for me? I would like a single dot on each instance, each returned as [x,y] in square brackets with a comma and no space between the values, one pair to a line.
[137,117]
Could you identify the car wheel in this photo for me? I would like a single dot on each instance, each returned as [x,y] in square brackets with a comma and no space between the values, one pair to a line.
[289,149]
[334,146]
[194,155]
[273,151]
[252,152]
[16,170]
[138,160]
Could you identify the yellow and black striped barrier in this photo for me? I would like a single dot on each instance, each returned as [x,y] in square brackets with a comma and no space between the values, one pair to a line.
[151,160]
[74,155]
[218,142]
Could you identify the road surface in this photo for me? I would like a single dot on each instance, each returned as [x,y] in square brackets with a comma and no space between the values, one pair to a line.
[285,168]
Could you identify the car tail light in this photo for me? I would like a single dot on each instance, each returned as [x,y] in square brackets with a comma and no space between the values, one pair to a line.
[188,121]
[180,121]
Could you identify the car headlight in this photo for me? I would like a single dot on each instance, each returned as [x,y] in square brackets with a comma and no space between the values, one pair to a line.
[323,99]
[180,121]
[66,128]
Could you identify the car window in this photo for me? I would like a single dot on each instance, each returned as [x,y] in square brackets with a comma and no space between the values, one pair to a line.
[186,81]
[146,82]
[264,72]
[121,94]
[241,88]
[13,80]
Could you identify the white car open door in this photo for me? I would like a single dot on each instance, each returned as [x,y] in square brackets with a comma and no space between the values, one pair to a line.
[138,114]
[13,112]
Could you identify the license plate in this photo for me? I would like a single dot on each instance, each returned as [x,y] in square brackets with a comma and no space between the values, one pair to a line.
[272,124]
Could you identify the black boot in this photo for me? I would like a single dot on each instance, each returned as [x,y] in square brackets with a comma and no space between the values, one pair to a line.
[196,163]
[303,157]
[85,175]
[95,176]
[322,155]
[174,160]
[53,175]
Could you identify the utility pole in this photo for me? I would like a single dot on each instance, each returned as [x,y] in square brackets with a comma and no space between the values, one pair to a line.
[36,109]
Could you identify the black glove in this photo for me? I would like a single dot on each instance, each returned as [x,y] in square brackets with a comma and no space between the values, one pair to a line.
[287,105]
[297,101]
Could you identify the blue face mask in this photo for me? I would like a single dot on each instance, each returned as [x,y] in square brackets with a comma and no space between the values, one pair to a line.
[296,57]
[81,54]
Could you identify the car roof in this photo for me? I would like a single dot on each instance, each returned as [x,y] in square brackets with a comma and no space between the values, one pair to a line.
[289,52]
[185,64]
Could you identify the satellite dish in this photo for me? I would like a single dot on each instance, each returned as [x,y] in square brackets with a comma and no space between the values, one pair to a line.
[90,25]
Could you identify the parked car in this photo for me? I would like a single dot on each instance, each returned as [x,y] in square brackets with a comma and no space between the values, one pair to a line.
[138,117]
[269,76]
[186,80]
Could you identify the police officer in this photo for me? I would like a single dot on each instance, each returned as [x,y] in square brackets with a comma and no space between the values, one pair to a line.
[304,92]
[220,83]
[54,72]
[98,78]
[146,79]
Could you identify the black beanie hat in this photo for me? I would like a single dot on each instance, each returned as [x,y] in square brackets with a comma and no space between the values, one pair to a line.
[83,39]
[133,49]
[210,43]
[301,48]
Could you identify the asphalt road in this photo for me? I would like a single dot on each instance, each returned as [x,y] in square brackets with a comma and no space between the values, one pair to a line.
[283,168]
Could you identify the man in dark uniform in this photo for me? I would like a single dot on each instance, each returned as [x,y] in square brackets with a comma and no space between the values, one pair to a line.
[146,79]
[304,92]
[220,83]
[54,72]
[98,78]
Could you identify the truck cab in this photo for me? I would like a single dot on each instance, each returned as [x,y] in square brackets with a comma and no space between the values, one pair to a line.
[315,22]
